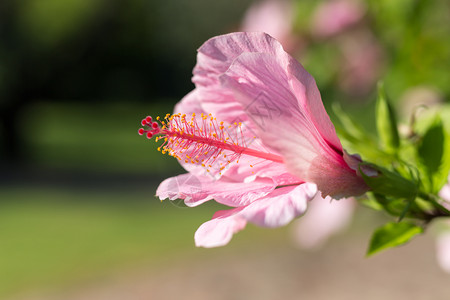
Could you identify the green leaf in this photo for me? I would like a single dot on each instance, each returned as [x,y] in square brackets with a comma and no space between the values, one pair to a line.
[388,183]
[386,122]
[441,175]
[431,149]
[392,235]
[426,127]
[371,202]
[396,207]
[351,127]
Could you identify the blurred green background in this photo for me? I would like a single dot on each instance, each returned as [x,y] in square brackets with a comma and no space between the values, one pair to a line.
[76,78]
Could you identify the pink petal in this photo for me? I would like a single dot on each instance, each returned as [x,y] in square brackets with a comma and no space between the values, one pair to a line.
[335,179]
[443,251]
[333,17]
[219,231]
[287,109]
[261,85]
[276,209]
[444,193]
[275,171]
[304,87]
[191,103]
[214,100]
[274,17]
[187,187]
[324,218]
[281,206]
[195,190]
[216,55]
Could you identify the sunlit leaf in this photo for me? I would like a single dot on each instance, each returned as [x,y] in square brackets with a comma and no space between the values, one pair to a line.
[431,150]
[392,235]
[441,175]
[386,122]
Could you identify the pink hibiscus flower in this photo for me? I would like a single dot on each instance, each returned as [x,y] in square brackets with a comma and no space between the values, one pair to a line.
[275,17]
[324,219]
[253,135]
[335,16]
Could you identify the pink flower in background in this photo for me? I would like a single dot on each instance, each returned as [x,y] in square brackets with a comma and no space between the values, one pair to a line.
[362,57]
[334,16]
[445,193]
[362,62]
[443,238]
[324,218]
[443,251]
[253,135]
[274,17]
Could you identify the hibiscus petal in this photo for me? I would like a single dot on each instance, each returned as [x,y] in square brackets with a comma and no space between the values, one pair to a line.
[195,190]
[191,103]
[216,55]
[289,123]
[276,209]
[219,231]
[305,88]
[262,86]
[281,206]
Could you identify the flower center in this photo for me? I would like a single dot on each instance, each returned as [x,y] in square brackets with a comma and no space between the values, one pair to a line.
[202,140]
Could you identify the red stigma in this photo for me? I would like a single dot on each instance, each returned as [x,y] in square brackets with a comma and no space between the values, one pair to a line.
[150,128]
